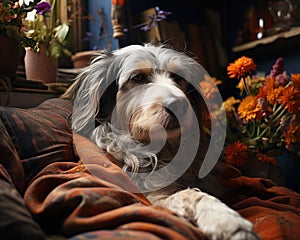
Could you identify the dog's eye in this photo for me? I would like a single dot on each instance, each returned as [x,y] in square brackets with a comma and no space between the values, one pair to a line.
[139,78]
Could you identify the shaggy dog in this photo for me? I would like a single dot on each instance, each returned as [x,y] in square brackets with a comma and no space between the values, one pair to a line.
[141,104]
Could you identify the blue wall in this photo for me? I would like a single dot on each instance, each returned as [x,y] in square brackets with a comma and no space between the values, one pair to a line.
[101,31]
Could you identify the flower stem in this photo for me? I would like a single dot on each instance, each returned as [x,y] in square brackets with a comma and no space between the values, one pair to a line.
[253,125]
[260,136]
[276,132]
[274,117]
[52,15]
[246,87]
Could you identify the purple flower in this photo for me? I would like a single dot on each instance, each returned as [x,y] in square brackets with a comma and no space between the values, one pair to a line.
[282,79]
[43,7]
[158,16]
[145,28]
[278,67]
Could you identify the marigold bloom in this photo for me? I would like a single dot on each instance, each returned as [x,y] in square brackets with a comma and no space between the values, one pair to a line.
[271,91]
[236,154]
[261,92]
[213,80]
[290,98]
[296,79]
[229,104]
[292,134]
[241,85]
[241,67]
[249,109]
[265,158]
[208,89]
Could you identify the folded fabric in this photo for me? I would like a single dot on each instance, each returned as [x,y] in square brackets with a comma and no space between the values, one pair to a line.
[274,210]
[72,198]
[74,189]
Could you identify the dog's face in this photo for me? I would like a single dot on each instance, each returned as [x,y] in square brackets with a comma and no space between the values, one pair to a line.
[150,93]
[153,102]
[139,88]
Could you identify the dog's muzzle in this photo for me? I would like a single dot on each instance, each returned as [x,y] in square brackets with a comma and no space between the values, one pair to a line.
[176,107]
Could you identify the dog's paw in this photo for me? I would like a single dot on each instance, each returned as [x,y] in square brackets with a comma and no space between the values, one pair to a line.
[219,222]
[215,219]
[231,229]
[245,235]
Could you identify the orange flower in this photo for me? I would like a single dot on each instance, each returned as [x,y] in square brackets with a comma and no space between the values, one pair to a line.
[265,158]
[296,79]
[292,134]
[240,85]
[208,89]
[261,93]
[290,97]
[241,67]
[236,154]
[272,93]
[229,104]
[249,109]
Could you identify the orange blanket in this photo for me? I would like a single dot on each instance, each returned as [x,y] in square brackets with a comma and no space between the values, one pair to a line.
[97,197]
[73,198]
[274,210]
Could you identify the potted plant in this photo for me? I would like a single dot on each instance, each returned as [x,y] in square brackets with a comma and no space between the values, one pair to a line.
[50,38]
[12,34]
[264,124]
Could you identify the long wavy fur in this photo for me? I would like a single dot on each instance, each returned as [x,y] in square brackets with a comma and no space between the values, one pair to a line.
[94,96]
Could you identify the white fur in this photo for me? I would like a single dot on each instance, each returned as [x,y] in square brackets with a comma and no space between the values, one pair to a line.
[133,112]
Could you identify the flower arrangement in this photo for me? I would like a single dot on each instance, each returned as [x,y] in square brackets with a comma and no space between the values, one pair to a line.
[267,116]
[12,15]
[46,30]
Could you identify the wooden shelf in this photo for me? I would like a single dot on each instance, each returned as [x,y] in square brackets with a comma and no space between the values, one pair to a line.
[294,32]
[25,98]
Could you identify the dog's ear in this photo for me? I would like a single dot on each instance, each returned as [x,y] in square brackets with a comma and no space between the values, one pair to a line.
[93,93]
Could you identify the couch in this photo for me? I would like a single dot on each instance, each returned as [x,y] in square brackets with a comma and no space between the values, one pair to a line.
[47,193]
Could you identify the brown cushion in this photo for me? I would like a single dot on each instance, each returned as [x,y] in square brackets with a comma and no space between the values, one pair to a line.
[36,137]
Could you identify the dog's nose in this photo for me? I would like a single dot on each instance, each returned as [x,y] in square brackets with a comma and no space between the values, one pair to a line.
[176,106]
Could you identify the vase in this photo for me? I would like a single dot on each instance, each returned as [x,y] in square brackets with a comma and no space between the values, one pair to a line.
[83,58]
[9,56]
[286,173]
[291,170]
[256,168]
[39,66]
